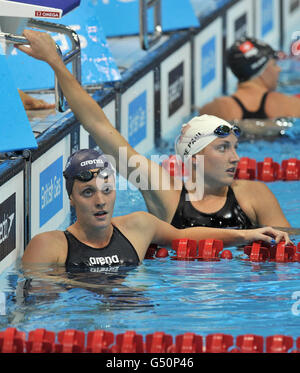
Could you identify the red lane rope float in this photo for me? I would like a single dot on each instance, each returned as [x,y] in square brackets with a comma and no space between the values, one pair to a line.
[261,251]
[268,170]
[212,250]
[40,340]
[247,169]
[187,249]
[101,341]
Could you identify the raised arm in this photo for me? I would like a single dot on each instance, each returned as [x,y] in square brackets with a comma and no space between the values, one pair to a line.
[92,117]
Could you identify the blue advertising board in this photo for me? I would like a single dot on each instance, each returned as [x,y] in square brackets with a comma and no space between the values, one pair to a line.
[137,119]
[15,129]
[208,62]
[51,191]
[267,17]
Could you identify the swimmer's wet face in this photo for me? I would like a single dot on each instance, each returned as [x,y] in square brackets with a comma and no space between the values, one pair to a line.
[94,200]
[220,160]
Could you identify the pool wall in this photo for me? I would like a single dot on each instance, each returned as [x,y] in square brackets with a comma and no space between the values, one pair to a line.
[155,95]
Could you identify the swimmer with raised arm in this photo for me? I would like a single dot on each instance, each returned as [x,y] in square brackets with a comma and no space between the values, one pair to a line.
[253,62]
[225,202]
[98,240]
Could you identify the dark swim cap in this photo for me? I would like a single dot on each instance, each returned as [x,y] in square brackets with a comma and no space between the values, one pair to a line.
[84,160]
[247,57]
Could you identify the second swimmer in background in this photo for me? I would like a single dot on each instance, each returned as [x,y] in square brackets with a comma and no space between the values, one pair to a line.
[254,64]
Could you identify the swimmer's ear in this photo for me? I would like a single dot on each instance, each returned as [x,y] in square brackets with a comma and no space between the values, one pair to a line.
[71,200]
[194,160]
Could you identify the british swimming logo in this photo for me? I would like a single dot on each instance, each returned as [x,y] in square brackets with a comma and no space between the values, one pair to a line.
[267,17]
[137,119]
[208,62]
[51,191]
[176,89]
[7,226]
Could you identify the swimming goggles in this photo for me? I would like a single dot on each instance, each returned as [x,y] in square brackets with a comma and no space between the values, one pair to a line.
[224,131]
[88,175]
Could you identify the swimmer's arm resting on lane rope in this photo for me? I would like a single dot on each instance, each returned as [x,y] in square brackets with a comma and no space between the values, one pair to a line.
[164,233]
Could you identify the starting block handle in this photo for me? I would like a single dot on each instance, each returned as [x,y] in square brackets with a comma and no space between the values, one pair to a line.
[12,38]
[73,56]
[148,40]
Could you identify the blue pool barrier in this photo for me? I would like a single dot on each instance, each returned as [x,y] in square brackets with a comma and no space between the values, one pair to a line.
[16,133]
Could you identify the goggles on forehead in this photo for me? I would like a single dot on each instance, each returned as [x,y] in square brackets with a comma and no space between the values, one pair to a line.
[88,175]
[223,130]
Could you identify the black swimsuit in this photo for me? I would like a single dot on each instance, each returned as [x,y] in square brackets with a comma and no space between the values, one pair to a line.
[119,252]
[258,114]
[230,215]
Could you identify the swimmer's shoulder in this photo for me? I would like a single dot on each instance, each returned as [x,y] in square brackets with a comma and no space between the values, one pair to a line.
[223,107]
[138,227]
[46,247]
[279,105]
[140,224]
[133,221]
[249,188]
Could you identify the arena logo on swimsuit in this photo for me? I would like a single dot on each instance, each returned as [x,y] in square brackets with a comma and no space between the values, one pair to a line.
[104,260]
[51,191]
[7,226]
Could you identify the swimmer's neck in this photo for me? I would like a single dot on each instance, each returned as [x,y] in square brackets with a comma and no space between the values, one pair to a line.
[208,190]
[216,191]
[257,83]
[99,237]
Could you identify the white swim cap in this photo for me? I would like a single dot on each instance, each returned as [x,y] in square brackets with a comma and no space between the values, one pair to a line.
[197,134]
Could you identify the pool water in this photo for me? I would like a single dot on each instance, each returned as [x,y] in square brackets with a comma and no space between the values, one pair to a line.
[227,296]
